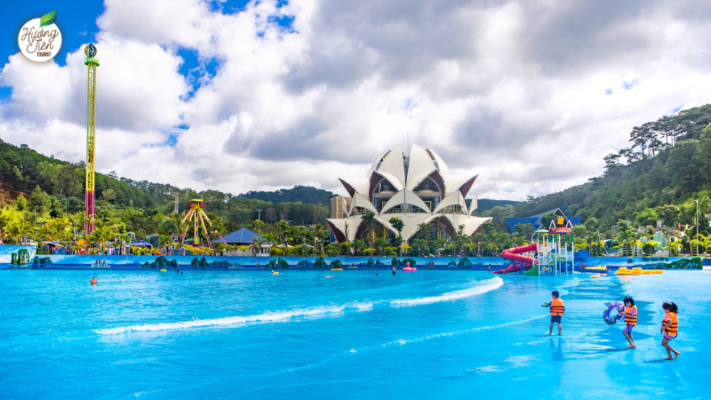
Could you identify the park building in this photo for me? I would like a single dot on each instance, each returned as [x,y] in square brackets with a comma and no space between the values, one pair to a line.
[535,220]
[419,189]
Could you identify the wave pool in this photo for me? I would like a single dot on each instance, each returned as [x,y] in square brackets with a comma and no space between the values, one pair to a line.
[358,335]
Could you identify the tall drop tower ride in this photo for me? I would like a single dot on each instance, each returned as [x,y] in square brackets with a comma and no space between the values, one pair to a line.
[91,62]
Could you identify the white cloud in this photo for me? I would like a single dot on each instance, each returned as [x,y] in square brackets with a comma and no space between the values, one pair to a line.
[516,91]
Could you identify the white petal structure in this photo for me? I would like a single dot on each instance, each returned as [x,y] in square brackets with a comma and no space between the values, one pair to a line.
[417,189]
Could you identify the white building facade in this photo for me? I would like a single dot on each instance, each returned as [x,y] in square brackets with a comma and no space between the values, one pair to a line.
[419,189]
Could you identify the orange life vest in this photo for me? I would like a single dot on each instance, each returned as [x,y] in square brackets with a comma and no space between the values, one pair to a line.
[557,307]
[673,328]
[93,281]
[631,319]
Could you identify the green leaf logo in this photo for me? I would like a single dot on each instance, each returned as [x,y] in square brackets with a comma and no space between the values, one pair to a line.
[48,19]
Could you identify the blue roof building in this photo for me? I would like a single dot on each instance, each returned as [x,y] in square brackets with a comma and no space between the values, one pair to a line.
[242,236]
[535,220]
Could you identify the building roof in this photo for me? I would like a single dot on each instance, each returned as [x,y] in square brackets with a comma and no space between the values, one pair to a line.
[512,222]
[535,220]
[242,235]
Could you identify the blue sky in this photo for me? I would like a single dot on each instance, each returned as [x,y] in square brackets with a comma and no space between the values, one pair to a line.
[77,22]
[261,95]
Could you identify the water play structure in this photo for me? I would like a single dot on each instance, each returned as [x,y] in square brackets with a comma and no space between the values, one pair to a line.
[552,251]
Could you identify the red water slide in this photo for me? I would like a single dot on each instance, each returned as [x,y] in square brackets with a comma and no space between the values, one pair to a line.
[512,255]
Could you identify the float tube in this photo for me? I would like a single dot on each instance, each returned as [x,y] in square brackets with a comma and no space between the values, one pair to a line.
[408,268]
[615,305]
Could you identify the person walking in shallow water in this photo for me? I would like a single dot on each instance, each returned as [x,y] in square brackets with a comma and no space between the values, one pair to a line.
[489,268]
[670,328]
[393,270]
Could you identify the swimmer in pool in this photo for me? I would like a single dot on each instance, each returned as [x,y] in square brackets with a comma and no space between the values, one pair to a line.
[93,280]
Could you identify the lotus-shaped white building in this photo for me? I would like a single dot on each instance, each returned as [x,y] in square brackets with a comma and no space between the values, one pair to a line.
[418,189]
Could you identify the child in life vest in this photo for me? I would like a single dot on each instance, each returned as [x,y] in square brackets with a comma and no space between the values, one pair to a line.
[557,309]
[670,328]
[630,320]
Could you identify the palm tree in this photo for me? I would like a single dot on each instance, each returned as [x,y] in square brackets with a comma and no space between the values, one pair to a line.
[282,228]
[18,229]
[424,229]
[257,245]
[359,245]
[398,225]
[178,227]
[369,219]
[258,225]
[100,236]
[346,246]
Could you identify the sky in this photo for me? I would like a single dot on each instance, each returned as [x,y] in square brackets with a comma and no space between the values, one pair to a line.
[244,95]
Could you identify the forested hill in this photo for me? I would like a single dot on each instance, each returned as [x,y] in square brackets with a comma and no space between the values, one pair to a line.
[666,167]
[488,204]
[303,194]
[56,186]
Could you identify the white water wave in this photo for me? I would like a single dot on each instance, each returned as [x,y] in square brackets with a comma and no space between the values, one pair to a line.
[483,287]
[239,320]
[455,333]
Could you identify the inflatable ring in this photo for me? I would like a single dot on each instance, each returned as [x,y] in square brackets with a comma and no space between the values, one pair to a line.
[615,305]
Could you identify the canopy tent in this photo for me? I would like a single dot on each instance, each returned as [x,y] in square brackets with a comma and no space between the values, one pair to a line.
[141,243]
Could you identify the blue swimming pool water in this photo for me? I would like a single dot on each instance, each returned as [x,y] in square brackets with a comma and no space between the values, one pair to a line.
[423,335]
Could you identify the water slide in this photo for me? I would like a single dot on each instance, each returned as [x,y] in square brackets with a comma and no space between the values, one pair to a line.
[513,255]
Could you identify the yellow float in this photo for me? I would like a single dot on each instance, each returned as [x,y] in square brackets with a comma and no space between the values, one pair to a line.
[336,269]
[597,268]
[639,271]
[163,270]
[595,276]
[624,271]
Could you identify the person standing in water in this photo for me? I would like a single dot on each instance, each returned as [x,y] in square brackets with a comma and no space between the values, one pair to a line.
[393,269]
[489,268]
[557,309]
[670,328]
[630,320]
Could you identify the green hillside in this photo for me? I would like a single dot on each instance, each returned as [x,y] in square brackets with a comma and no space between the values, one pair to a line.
[57,186]
[302,194]
[666,167]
